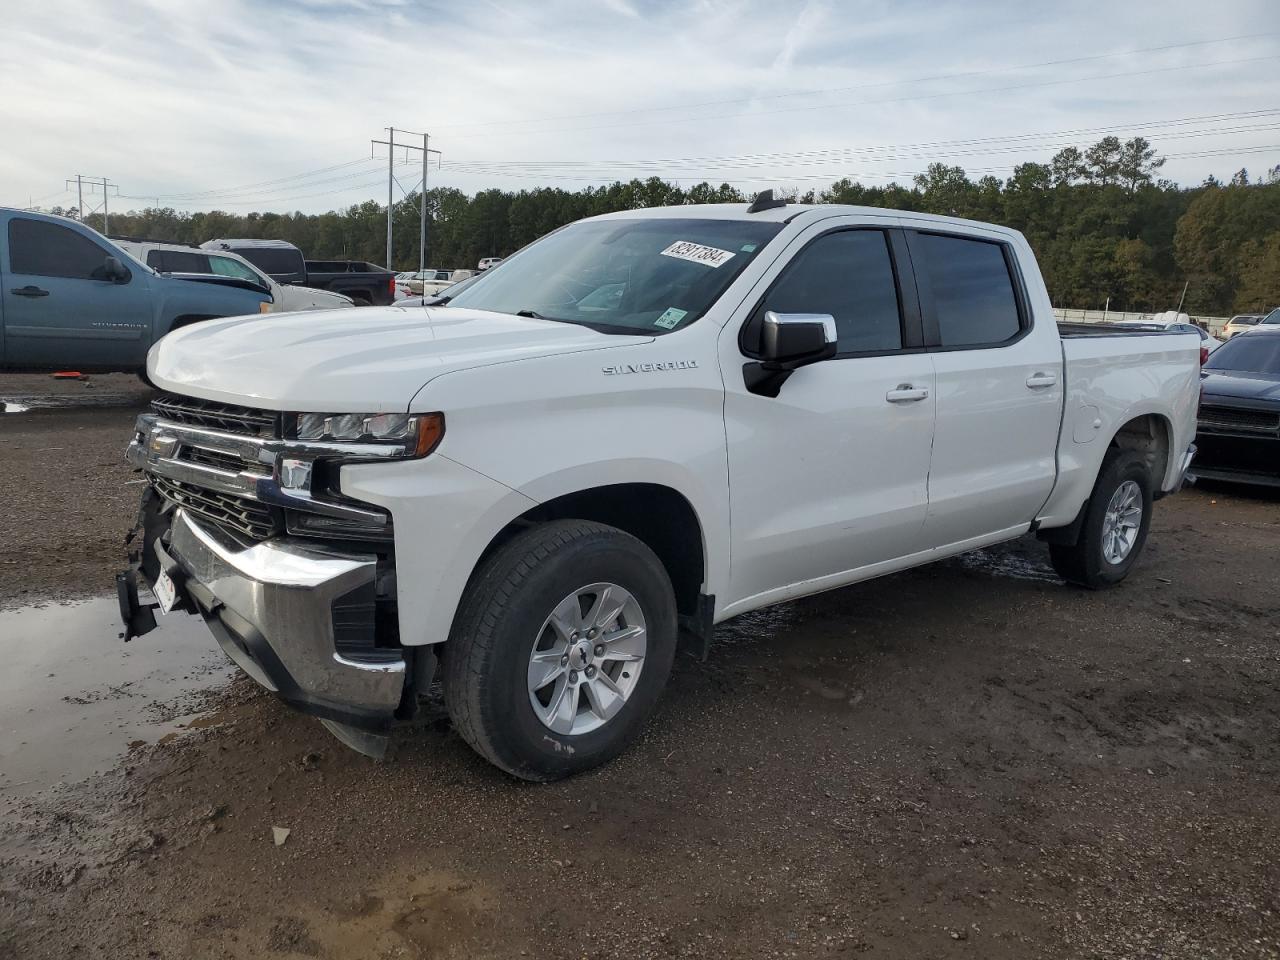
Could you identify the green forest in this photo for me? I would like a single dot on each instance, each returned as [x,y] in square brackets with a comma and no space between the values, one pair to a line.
[1101,221]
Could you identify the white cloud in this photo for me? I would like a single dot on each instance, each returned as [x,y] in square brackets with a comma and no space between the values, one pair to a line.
[171,99]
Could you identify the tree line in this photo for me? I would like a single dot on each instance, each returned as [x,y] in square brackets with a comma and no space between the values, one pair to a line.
[1104,226]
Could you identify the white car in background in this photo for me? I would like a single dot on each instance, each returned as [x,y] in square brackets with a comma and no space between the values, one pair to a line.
[1176,322]
[179,258]
[488,262]
[429,283]
[1240,323]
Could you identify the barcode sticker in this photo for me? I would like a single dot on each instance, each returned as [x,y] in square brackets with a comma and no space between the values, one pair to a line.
[697,253]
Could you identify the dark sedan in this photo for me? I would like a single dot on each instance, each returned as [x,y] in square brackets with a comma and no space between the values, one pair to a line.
[1238,434]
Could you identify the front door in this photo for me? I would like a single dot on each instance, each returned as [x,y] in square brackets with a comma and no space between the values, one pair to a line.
[831,475]
[59,308]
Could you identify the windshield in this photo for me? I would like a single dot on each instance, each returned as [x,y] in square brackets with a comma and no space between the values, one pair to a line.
[622,276]
[1273,316]
[1257,352]
[226,267]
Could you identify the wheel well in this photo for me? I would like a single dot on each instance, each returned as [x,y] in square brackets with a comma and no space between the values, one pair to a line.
[656,515]
[188,319]
[1148,435]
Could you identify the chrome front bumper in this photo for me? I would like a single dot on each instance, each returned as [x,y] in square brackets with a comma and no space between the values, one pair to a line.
[270,606]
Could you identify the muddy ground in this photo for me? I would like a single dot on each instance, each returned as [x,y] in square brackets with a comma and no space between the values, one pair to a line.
[965,760]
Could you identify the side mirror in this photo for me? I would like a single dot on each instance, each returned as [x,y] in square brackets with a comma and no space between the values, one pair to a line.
[789,341]
[114,270]
[797,339]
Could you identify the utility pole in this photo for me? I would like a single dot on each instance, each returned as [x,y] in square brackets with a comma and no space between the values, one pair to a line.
[425,149]
[81,182]
[1184,295]
[421,238]
[391,179]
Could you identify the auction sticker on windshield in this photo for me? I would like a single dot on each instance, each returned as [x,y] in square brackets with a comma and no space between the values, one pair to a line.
[670,317]
[697,253]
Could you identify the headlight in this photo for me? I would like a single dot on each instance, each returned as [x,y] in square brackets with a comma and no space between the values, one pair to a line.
[420,433]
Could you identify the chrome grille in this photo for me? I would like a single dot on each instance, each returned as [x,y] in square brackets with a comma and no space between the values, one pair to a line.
[239,515]
[1239,418]
[218,416]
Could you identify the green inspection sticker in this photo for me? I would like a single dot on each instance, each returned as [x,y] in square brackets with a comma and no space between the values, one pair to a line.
[670,317]
[748,248]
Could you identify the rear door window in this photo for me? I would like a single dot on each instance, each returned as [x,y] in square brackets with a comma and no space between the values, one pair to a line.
[41,249]
[277,261]
[974,299]
[178,261]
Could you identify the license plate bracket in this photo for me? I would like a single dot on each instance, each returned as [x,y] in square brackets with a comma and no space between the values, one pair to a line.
[166,592]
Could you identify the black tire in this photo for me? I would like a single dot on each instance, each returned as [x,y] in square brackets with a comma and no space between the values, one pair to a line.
[1084,563]
[509,598]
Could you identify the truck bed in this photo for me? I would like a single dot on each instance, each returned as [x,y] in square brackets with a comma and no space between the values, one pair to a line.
[1072,330]
[1114,372]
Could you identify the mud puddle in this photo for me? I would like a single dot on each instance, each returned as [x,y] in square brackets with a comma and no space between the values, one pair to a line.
[74,697]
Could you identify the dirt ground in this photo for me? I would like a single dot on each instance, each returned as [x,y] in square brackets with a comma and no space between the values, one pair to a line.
[970,759]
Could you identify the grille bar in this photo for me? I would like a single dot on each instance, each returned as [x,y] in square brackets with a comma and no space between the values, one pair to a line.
[218,416]
[1239,418]
[240,515]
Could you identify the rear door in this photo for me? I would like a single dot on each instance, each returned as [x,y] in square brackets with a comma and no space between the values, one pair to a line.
[59,308]
[998,376]
[830,476]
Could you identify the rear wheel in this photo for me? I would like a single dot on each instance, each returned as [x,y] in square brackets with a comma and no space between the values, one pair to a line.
[560,650]
[1117,518]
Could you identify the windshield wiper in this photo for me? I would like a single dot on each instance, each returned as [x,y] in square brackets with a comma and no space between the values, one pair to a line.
[531,314]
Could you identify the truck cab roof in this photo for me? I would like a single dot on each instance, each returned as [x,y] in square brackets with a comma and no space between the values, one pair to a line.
[795,212]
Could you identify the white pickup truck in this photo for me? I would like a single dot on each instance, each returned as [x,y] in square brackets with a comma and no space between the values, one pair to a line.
[643,424]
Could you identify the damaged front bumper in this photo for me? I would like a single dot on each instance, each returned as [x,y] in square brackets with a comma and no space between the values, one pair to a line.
[299,619]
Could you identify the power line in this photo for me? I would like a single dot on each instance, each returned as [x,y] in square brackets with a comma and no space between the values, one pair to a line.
[868,175]
[934,144]
[934,150]
[887,100]
[260,183]
[867,86]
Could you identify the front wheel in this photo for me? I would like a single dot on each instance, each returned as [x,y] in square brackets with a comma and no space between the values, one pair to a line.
[1117,518]
[561,647]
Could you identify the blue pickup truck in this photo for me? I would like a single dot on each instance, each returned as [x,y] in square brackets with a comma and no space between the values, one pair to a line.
[71,299]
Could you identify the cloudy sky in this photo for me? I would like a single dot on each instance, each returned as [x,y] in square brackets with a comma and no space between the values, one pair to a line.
[270,104]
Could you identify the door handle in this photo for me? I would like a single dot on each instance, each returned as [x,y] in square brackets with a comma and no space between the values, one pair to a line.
[1038,380]
[29,291]
[906,393]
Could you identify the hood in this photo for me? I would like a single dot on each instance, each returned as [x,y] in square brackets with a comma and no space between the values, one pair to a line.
[1242,385]
[367,360]
[219,280]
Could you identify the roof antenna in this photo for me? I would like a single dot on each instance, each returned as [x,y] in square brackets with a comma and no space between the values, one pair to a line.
[765,201]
